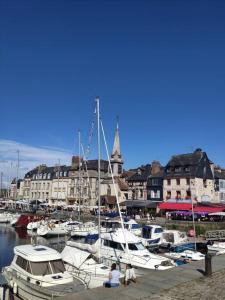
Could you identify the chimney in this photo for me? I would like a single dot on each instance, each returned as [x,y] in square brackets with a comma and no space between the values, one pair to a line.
[75,161]
[156,167]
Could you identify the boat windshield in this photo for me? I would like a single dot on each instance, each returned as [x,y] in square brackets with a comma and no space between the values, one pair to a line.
[40,268]
[57,266]
[47,267]
[135,246]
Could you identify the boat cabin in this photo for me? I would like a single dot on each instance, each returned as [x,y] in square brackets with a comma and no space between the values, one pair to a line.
[38,260]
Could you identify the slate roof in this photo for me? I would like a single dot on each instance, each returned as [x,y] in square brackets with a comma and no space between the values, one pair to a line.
[194,164]
[219,175]
[145,171]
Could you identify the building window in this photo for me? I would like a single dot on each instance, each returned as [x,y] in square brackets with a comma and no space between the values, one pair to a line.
[168,196]
[141,193]
[65,174]
[177,170]
[168,181]
[205,183]
[222,196]
[188,181]
[178,181]
[155,181]
[49,175]
[155,194]
[187,169]
[188,194]
[178,195]
[61,174]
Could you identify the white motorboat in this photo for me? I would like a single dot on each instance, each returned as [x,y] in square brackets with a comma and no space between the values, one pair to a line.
[80,261]
[173,237]
[14,219]
[82,230]
[188,254]
[133,227]
[218,247]
[35,225]
[6,217]
[52,229]
[151,235]
[113,224]
[113,249]
[38,272]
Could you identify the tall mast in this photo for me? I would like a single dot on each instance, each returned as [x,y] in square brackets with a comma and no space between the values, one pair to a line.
[79,178]
[99,167]
[1,176]
[17,170]
[57,197]
[38,175]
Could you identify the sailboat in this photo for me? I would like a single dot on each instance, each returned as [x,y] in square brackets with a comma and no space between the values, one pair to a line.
[83,259]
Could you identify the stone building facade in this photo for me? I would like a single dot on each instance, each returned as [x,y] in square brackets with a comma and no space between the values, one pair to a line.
[189,176]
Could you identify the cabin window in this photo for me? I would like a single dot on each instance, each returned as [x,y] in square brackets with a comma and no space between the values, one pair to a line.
[158,230]
[135,226]
[113,245]
[21,262]
[57,266]
[41,268]
[135,247]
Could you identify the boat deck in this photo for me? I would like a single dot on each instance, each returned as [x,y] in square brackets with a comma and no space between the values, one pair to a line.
[154,283]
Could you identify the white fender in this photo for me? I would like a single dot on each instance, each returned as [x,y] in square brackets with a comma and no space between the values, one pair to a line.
[15,288]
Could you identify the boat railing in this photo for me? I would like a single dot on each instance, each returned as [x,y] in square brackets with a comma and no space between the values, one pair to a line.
[86,276]
[18,276]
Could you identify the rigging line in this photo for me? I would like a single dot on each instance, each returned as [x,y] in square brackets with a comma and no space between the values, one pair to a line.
[86,169]
[90,136]
[115,191]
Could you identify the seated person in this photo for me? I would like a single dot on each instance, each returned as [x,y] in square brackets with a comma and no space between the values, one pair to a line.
[129,275]
[114,276]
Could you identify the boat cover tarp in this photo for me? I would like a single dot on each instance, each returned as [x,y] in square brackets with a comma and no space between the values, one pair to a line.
[74,256]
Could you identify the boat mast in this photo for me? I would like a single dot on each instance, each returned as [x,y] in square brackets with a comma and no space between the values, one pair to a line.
[193,221]
[17,172]
[57,196]
[99,172]
[79,178]
[38,174]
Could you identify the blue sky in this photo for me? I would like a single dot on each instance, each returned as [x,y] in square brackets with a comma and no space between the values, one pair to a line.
[159,65]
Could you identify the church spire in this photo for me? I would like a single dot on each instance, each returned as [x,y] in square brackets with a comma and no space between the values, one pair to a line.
[116,156]
[116,145]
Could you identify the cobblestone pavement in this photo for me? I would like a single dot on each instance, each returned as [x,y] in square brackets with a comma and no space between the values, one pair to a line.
[206,288]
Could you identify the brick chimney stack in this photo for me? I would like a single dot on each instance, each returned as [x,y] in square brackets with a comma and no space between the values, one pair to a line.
[156,167]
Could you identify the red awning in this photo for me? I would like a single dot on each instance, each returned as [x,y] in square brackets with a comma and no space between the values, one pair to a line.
[208,209]
[175,206]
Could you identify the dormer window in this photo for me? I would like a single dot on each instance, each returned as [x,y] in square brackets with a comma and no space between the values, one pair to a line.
[65,173]
[177,169]
[139,171]
[187,169]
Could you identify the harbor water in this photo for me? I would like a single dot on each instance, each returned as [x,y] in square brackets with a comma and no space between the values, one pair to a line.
[11,237]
